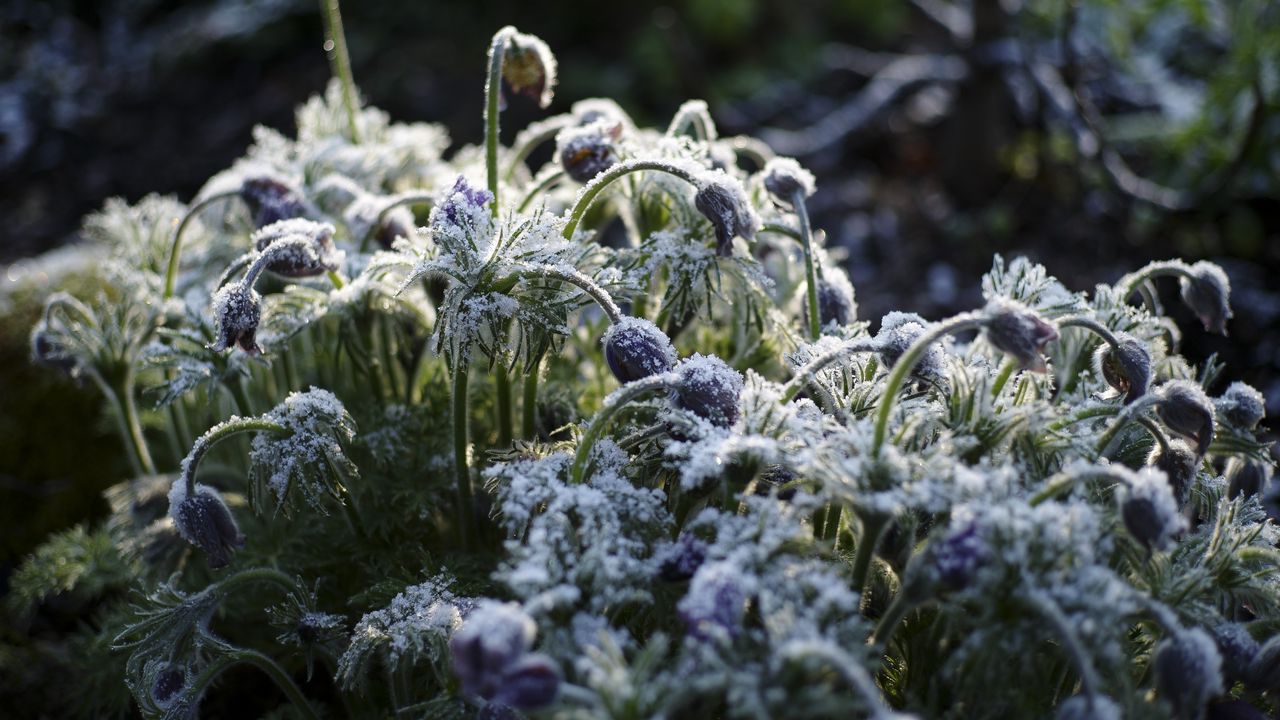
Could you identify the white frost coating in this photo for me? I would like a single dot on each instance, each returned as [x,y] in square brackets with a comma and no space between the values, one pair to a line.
[418,616]
[633,331]
[783,175]
[318,427]
[1152,486]
[178,494]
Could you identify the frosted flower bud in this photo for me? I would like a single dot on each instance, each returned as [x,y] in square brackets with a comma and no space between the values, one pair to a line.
[635,348]
[1084,707]
[898,331]
[593,110]
[1208,294]
[205,521]
[1019,332]
[237,309]
[587,151]
[721,200]
[716,601]
[271,200]
[1271,499]
[1186,410]
[1180,464]
[709,389]
[835,302]
[682,558]
[1242,406]
[168,686]
[398,223]
[1150,511]
[1264,671]
[783,178]
[528,67]
[1238,650]
[462,202]
[531,682]
[1246,477]
[1188,671]
[489,642]
[298,247]
[956,558]
[1127,369]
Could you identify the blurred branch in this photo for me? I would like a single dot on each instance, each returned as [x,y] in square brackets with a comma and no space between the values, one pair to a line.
[955,20]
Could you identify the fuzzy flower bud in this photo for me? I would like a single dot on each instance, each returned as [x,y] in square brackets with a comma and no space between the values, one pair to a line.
[1241,406]
[635,348]
[957,557]
[204,520]
[298,247]
[271,200]
[1186,410]
[1019,332]
[721,200]
[835,301]
[587,151]
[1150,511]
[783,178]
[1238,650]
[168,686]
[898,331]
[1179,464]
[1246,477]
[462,202]
[491,657]
[1208,294]
[47,351]
[1127,368]
[528,67]
[716,600]
[237,309]
[1188,671]
[709,389]
[531,682]
[682,558]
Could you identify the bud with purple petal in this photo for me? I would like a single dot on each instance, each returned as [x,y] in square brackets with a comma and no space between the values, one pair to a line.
[1019,332]
[297,248]
[461,205]
[271,200]
[531,682]
[1238,650]
[1188,671]
[716,601]
[528,67]
[898,331]
[237,310]
[721,200]
[587,151]
[783,177]
[1150,511]
[1207,291]
[1241,406]
[682,558]
[1186,410]
[1179,463]
[835,301]
[1246,477]
[708,388]
[167,686]
[635,348]
[203,519]
[491,657]
[1126,368]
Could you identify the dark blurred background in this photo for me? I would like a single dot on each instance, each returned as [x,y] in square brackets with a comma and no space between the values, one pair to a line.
[1090,136]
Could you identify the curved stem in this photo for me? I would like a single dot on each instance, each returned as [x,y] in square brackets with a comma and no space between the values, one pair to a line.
[460,442]
[1092,325]
[278,676]
[873,526]
[133,422]
[493,92]
[1154,428]
[757,150]
[551,179]
[1049,610]
[581,281]
[781,229]
[1062,482]
[1128,413]
[848,666]
[614,402]
[806,372]
[810,271]
[889,622]
[340,62]
[1160,268]
[533,136]
[217,434]
[906,363]
[405,199]
[175,248]
[236,266]
[622,169]
[693,113]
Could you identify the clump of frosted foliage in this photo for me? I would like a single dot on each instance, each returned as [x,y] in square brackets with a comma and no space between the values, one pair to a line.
[318,426]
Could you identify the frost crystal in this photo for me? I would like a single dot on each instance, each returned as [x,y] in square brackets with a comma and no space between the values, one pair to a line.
[318,427]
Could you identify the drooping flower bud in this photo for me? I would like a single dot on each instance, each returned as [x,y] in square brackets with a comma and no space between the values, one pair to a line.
[1149,510]
[46,350]
[956,558]
[1127,368]
[1241,406]
[709,389]
[1086,707]
[491,640]
[682,558]
[635,348]
[271,200]
[528,67]
[531,682]
[592,110]
[1188,671]
[1019,332]
[716,600]
[298,247]
[204,520]
[237,309]
[1186,410]
[1180,464]
[1264,672]
[1238,650]
[783,178]
[1246,477]
[898,331]
[587,151]
[721,200]
[835,300]
[1208,294]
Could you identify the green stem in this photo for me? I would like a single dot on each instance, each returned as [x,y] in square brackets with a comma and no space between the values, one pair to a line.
[873,526]
[493,91]
[906,363]
[806,372]
[1002,378]
[889,622]
[529,408]
[1128,413]
[340,62]
[1092,325]
[622,169]
[502,380]
[1062,482]
[581,281]
[175,249]
[122,425]
[279,677]
[1045,606]
[460,443]
[217,434]
[810,271]
[133,423]
[781,229]
[551,179]
[614,402]
[533,136]
[1161,268]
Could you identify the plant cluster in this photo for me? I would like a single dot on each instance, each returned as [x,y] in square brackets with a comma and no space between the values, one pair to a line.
[445,436]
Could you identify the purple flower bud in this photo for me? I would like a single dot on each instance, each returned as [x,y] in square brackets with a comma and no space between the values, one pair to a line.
[1186,410]
[1264,671]
[204,520]
[48,352]
[783,178]
[491,640]
[682,558]
[716,601]
[1180,464]
[957,557]
[271,200]
[398,223]
[1246,477]
[709,389]
[898,331]
[237,309]
[635,348]
[297,248]
[1127,369]
[585,152]
[1238,650]
[1242,406]
[1150,511]
[531,682]
[721,200]
[528,67]
[1208,294]
[462,202]
[1188,671]
[1019,332]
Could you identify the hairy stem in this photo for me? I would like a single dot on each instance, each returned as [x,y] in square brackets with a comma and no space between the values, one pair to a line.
[873,527]
[175,248]
[218,433]
[529,408]
[611,405]
[493,91]
[581,281]
[592,189]
[810,271]
[502,381]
